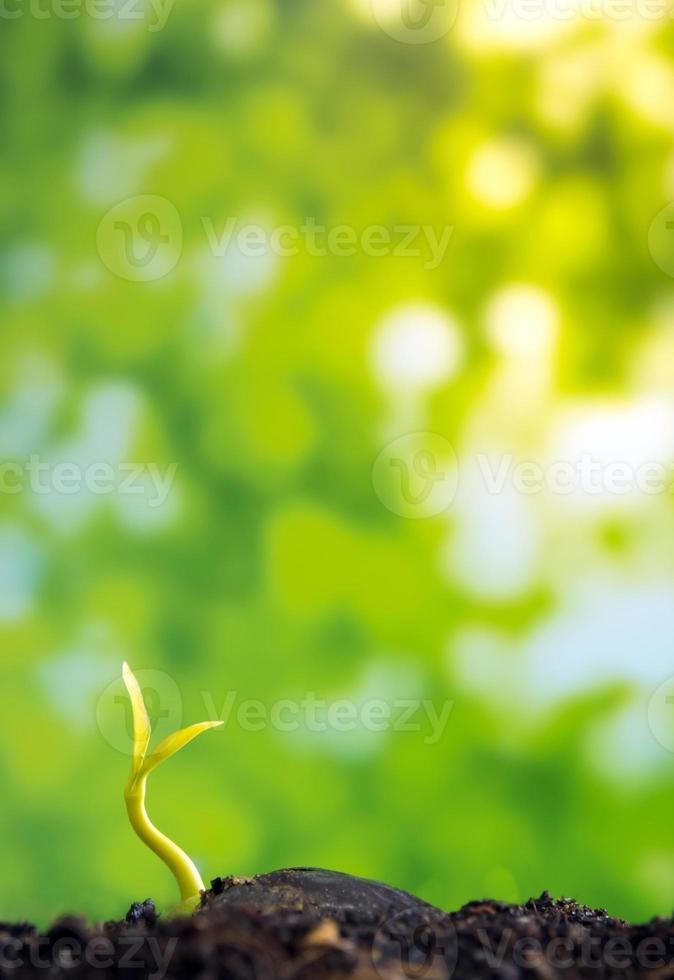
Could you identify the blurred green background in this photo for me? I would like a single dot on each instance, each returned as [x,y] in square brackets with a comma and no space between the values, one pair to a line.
[285,558]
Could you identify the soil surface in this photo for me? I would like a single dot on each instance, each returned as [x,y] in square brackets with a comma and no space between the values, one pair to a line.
[305,924]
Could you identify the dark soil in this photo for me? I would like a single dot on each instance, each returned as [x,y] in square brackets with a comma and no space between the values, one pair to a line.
[305,924]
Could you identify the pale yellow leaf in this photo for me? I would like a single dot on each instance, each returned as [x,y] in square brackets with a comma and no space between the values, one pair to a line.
[175,742]
[141,720]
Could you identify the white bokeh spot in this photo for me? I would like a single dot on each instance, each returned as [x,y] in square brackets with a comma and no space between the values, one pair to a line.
[416,347]
[522,321]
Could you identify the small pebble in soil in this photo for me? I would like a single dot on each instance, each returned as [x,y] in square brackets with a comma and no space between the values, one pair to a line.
[142,912]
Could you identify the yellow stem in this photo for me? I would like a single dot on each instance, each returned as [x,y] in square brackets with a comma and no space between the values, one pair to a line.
[181,866]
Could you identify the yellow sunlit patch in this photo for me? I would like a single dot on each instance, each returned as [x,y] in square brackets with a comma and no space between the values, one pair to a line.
[522,321]
[385,10]
[501,173]
[492,25]
[646,85]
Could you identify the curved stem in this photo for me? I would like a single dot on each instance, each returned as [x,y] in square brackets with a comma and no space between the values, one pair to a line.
[181,866]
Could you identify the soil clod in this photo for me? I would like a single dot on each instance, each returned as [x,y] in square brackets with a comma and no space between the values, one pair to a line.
[307,924]
[142,912]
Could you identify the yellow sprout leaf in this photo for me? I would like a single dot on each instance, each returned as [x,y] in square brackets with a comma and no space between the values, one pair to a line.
[183,868]
[141,721]
[175,742]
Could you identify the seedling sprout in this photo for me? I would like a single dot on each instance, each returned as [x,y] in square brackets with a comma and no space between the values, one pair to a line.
[181,866]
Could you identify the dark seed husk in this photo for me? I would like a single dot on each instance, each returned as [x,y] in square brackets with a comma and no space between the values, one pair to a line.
[325,894]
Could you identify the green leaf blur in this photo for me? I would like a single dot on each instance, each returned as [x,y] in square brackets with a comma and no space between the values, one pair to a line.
[283,566]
